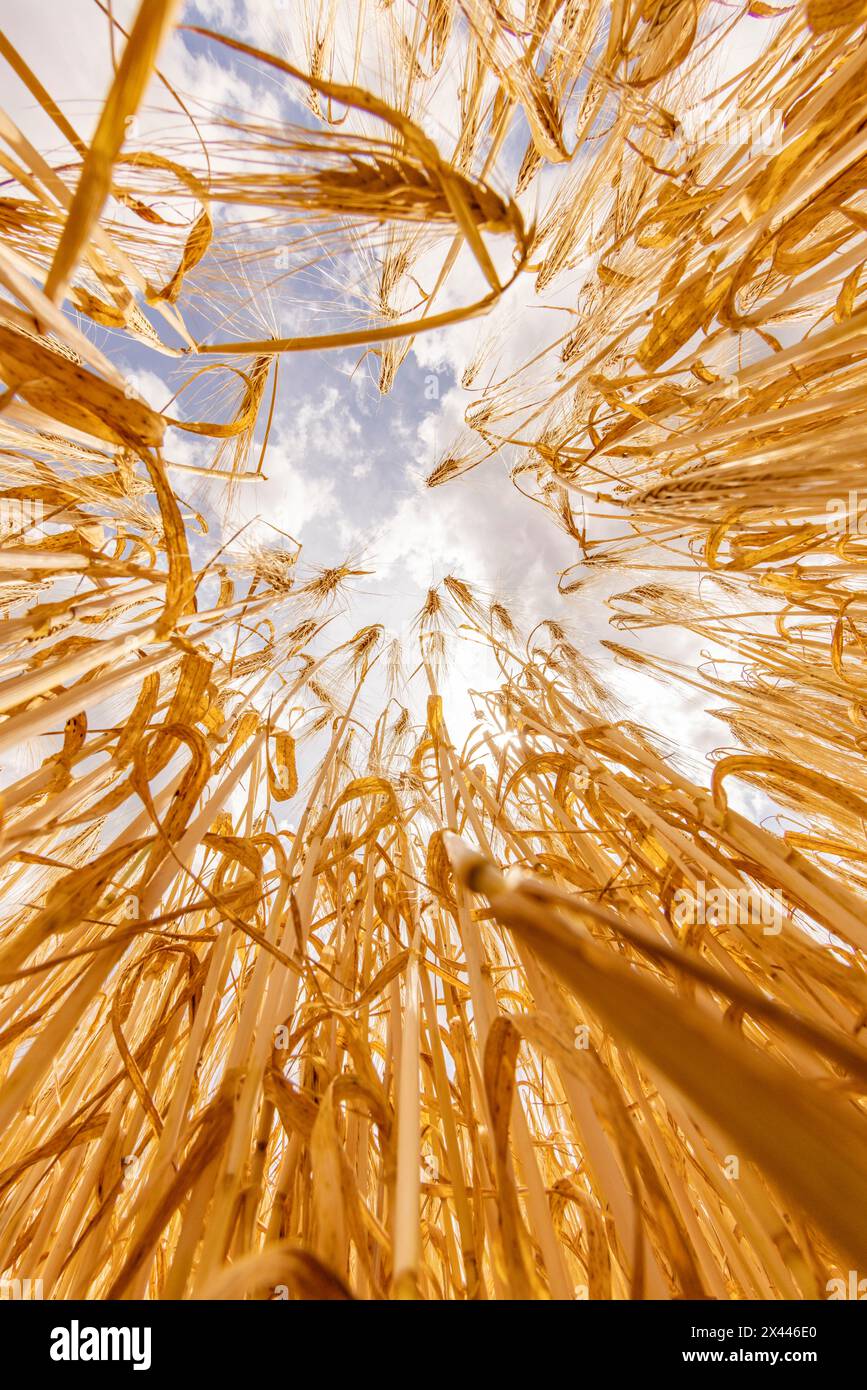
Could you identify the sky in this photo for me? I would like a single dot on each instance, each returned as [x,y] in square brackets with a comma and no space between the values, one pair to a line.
[345,465]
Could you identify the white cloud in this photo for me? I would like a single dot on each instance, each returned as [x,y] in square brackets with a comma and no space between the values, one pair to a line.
[308,455]
[289,500]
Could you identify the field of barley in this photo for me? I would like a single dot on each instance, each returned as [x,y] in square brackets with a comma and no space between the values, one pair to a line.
[376,933]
